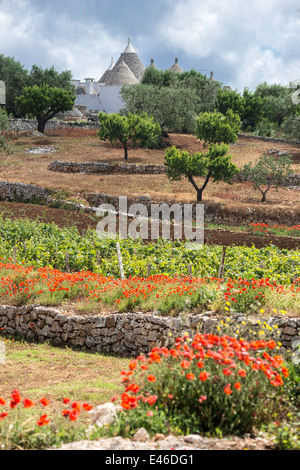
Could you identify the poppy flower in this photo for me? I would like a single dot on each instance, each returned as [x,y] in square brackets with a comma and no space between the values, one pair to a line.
[44,402]
[203,376]
[27,403]
[151,378]
[43,420]
[87,407]
[190,376]
[227,390]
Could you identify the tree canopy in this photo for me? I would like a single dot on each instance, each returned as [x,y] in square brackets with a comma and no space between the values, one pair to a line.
[136,128]
[17,77]
[44,102]
[214,128]
[215,164]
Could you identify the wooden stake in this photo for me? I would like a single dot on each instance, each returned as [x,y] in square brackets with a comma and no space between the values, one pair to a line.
[149,270]
[67,262]
[190,269]
[24,248]
[120,262]
[98,258]
[222,264]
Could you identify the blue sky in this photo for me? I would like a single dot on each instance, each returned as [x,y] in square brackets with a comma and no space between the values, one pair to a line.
[243,42]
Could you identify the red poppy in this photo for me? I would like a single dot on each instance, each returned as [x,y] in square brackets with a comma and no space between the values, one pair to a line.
[203,376]
[27,403]
[190,376]
[227,389]
[43,420]
[87,407]
[44,401]
[151,378]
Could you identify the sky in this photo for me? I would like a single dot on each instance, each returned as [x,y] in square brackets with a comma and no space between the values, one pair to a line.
[244,42]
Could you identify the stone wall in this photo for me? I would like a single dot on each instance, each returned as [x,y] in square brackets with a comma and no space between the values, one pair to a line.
[124,334]
[268,139]
[30,125]
[215,213]
[106,168]
[23,192]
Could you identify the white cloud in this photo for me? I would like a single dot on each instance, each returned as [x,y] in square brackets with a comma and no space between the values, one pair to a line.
[34,38]
[255,40]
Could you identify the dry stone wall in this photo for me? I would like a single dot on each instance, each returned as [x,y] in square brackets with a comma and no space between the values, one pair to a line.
[106,168]
[125,334]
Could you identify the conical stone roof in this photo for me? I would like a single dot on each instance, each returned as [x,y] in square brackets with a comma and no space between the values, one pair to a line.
[176,67]
[132,60]
[107,73]
[121,75]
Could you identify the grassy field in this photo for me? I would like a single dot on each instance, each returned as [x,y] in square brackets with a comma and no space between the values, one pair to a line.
[40,370]
[80,145]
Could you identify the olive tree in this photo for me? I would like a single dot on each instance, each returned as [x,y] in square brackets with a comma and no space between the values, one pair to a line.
[217,128]
[44,103]
[215,164]
[133,128]
[268,171]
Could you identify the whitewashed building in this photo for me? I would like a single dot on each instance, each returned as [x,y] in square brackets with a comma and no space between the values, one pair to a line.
[104,94]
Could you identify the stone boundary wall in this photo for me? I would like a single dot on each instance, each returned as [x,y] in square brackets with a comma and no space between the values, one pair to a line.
[31,125]
[106,168]
[124,334]
[23,192]
[215,213]
[133,169]
[269,139]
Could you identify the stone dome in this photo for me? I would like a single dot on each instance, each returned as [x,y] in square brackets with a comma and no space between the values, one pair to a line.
[132,60]
[107,73]
[176,67]
[121,75]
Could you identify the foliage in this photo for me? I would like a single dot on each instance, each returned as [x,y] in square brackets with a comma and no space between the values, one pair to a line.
[47,244]
[216,128]
[268,171]
[132,127]
[15,77]
[209,384]
[44,102]
[25,425]
[278,104]
[174,100]
[4,125]
[291,128]
[248,106]
[51,77]
[215,164]
[173,108]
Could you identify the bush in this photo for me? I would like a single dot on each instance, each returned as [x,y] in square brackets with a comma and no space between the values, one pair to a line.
[211,384]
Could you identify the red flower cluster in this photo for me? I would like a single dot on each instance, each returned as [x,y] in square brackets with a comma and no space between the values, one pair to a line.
[235,359]
[261,227]
[73,413]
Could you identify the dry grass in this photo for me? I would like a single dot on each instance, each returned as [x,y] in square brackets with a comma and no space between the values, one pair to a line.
[80,145]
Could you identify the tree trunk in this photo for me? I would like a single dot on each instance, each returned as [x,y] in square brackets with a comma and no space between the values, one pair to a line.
[264,194]
[41,125]
[125,152]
